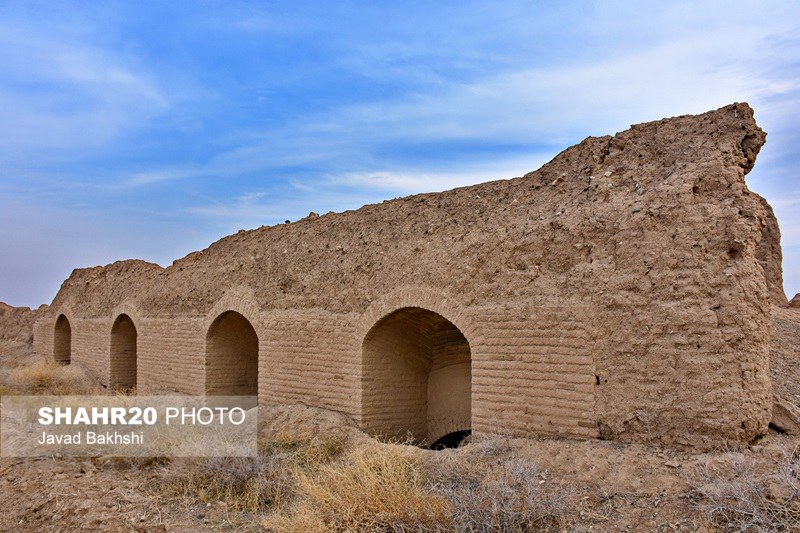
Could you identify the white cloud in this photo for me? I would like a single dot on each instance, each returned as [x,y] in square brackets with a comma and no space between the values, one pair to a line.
[60,92]
[459,175]
[157,176]
[350,190]
[555,105]
[700,72]
[787,210]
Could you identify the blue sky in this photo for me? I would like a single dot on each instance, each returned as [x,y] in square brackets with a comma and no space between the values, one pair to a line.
[151,129]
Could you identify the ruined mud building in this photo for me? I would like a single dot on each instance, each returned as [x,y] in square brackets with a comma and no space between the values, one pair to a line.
[621,291]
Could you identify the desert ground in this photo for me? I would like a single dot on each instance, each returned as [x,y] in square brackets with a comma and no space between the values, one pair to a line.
[316,471]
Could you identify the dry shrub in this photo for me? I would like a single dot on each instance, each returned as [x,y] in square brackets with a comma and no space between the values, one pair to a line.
[332,481]
[252,484]
[379,488]
[734,497]
[126,463]
[512,496]
[307,449]
[49,377]
[242,482]
[14,353]
[489,445]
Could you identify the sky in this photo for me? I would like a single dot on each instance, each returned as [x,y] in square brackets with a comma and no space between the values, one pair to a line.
[151,129]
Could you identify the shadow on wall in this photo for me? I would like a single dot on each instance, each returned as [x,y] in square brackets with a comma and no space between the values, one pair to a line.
[123,354]
[416,377]
[231,357]
[62,341]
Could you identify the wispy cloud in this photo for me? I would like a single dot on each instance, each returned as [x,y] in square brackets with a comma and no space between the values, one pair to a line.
[339,192]
[209,118]
[557,105]
[256,209]
[57,92]
[459,175]
[788,210]
[558,101]
[157,176]
[242,212]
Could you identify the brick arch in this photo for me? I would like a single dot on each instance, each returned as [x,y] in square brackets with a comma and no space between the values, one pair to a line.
[62,337]
[127,308]
[239,299]
[232,345]
[416,366]
[434,300]
[231,356]
[123,347]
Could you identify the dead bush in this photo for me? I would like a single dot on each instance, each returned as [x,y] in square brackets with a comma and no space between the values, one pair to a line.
[307,449]
[252,484]
[329,481]
[490,445]
[249,484]
[512,496]
[734,497]
[49,377]
[379,488]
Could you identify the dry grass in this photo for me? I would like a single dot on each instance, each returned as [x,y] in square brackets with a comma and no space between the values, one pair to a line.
[336,482]
[733,497]
[491,444]
[511,495]
[49,377]
[235,480]
[251,484]
[377,488]
[306,449]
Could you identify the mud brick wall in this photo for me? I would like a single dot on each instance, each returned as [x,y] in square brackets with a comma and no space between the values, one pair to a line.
[311,357]
[623,290]
[122,359]
[16,328]
[545,356]
[171,356]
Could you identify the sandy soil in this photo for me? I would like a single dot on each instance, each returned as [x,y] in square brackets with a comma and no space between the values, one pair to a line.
[616,488]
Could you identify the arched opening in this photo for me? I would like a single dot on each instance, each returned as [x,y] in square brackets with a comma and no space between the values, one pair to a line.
[416,377]
[62,341]
[451,440]
[231,357]
[123,354]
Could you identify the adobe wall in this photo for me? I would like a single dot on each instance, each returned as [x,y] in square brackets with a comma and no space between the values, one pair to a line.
[16,324]
[620,291]
[16,329]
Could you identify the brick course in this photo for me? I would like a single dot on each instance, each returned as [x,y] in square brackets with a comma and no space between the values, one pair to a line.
[623,290]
